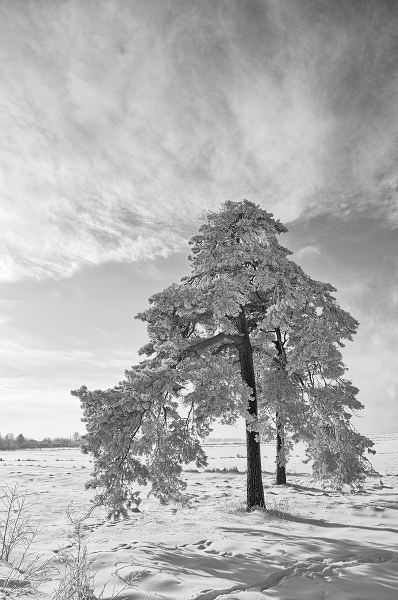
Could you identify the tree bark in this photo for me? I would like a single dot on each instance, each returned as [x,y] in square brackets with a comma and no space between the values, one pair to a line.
[280,430]
[280,442]
[255,489]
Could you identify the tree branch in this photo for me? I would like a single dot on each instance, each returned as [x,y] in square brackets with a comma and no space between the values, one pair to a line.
[209,342]
[223,347]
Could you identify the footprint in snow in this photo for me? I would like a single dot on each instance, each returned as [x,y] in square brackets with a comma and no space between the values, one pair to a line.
[203,544]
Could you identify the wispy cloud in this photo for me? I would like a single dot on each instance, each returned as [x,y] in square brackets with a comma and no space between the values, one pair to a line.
[27,355]
[36,377]
[37,409]
[4,319]
[307,251]
[30,354]
[121,121]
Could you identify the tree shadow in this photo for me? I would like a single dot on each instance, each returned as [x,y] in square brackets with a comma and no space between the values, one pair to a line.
[212,565]
[286,516]
[304,488]
[329,547]
[261,562]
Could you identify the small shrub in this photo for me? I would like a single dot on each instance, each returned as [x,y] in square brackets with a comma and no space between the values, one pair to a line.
[21,570]
[223,470]
[279,509]
[77,582]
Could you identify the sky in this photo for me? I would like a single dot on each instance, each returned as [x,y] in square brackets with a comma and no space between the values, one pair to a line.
[122,121]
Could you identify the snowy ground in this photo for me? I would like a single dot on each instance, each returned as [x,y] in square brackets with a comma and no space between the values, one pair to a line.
[312,544]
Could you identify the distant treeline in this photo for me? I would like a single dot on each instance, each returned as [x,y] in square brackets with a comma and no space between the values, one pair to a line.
[20,442]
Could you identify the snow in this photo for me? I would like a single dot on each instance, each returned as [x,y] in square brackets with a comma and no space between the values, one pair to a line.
[313,543]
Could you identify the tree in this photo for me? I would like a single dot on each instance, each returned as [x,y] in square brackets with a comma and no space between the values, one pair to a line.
[9,441]
[137,435]
[20,441]
[301,364]
[307,391]
[209,337]
[337,451]
[76,438]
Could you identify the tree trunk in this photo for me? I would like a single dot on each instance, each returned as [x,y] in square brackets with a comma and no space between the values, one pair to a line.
[255,489]
[280,462]
[280,430]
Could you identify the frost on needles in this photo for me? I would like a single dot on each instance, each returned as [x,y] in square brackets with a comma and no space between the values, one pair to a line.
[245,334]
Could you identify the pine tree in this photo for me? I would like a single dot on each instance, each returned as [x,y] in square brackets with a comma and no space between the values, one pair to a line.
[238,269]
[304,381]
[210,357]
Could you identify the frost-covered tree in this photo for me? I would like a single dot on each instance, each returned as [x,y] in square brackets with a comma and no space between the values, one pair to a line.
[304,385]
[208,356]
[337,451]
[143,430]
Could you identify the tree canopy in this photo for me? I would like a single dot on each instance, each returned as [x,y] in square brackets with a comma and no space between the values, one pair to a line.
[246,334]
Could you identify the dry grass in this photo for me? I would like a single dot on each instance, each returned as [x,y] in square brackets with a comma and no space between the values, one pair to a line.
[77,582]
[78,578]
[278,509]
[233,469]
[21,572]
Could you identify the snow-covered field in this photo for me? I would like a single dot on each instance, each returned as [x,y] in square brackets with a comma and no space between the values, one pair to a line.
[312,544]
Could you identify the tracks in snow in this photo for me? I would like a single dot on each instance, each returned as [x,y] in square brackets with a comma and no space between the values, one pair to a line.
[323,568]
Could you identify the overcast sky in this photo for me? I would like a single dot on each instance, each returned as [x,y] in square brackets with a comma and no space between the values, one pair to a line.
[122,120]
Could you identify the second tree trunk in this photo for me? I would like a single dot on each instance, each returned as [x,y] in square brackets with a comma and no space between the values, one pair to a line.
[280,453]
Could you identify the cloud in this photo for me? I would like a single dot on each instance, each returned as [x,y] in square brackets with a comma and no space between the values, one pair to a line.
[122,121]
[30,354]
[36,378]
[56,240]
[38,410]
[27,355]
[307,251]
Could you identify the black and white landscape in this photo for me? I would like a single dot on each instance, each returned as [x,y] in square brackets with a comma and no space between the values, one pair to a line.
[260,137]
[313,542]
